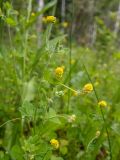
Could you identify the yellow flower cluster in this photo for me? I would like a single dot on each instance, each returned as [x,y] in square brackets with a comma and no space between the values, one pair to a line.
[102,103]
[59,72]
[88,88]
[55,144]
[51,19]
[32,14]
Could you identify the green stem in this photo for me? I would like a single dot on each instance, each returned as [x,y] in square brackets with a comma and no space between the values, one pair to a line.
[60,116]
[11,120]
[70,53]
[46,154]
[35,115]
[25,51]
[67,87]
[26,39]
[103,117]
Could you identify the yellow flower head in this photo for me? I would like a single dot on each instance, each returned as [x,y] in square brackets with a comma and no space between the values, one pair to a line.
[55,143]
[59,72]
[88,88]
[65,24]
[32,14]
[102,103]
[97,133]
[51,19]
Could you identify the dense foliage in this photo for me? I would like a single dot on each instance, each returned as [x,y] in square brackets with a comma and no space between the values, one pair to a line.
[59,83]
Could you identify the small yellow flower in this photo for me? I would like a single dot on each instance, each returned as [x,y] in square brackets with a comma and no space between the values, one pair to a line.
[88,88]
[102,103]
[59,72]
[32,14]
[65,24]
[51,19]
[97,133]
[55,143]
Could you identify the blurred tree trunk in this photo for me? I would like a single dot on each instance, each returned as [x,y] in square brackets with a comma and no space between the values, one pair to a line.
[91,24]
[117,24]
[63,10]
[39,22]
[85,26]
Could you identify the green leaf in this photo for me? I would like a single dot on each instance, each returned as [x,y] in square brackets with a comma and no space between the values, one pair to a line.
[7,5]
[29,90]
[52,44]
[11,21]
[63,150]
[27,109]
[116,128]
[35,146]
[92,144]
[1,155]
[16,152]
[56,158]
[52,116]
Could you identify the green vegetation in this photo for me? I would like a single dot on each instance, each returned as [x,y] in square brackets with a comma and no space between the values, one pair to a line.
[59,83]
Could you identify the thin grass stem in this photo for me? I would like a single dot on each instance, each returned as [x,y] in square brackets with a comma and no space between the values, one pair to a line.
[70,54]
[103,117]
